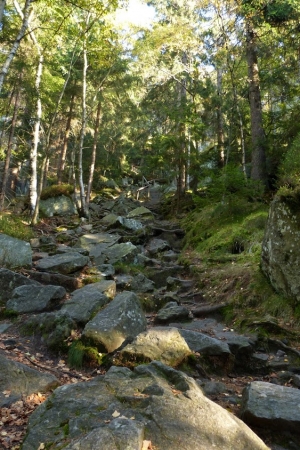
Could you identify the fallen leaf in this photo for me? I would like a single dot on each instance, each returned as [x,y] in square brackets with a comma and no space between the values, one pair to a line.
[116,414]
[147,445]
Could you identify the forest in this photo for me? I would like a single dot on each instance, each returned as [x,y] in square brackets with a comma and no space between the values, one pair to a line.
[206,96]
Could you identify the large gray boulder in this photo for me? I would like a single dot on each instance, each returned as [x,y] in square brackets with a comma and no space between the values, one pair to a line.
[87,301]
[28,299]
[57,206]
[280,258]
[124,252]
[161,344]
[9,280]
[63,263]
[14,253]
[20,380]
[122,409]
[122,319]
[269,405]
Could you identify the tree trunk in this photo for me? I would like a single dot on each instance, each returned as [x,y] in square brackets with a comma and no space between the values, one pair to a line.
[258,169]
[34,146]
[94,152]
[83,210]
[2,8]
[16,44]
[63,154]
[220,121]
[9,149]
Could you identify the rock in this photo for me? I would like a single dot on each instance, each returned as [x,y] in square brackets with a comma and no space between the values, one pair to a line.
[65,263]
[121,320]
[114,221]
[142,284]
[200,342]
[124,252]
[140,211]
[21,380]
[172,311]
[89,241]
[106,270]
[87,301]
[14,253]
[280,259]
[157,245]
[66,249]
[57,206]
[268,405]
[53,327]
[9,281]
[68,282]
[160,343]
[212,388]
[28,299]
[159,275]
[122,408]
[5,326]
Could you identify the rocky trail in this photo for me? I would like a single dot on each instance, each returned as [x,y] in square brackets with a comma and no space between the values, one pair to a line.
[167,373]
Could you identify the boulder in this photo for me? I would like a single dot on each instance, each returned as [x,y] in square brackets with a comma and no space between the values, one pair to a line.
[57,206]
[156,246]
[121,320]
[64,263]
[269,405]
[17,379]
[172,311]
[28,299]
[53,327]
[14,253]
[125,252]
[124,409]
[9,280]
[201,343]
[280,258]
[142,212]
[160,343]
[68,282]
[87,301]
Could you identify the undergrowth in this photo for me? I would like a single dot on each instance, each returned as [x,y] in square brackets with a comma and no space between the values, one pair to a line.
[15,226]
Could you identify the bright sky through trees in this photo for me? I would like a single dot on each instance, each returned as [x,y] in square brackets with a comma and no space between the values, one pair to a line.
[137,13]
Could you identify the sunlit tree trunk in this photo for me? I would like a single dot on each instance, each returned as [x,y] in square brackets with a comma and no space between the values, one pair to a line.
[94,152]
[258,167]
[16,44]
[220,119]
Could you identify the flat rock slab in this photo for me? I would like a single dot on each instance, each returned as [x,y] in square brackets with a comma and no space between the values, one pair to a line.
[88,241]
[200,342]
[172,311]
[161,344]
[273,406]
[87,301]
[122,319]
[63,263]
[125,252]
[14,253]
[9,280]
[121,409]
[19,379]
[29,299]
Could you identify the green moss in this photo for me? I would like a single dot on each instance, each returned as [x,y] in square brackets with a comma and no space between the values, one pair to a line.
[57,190]
[15,226]
[80,355]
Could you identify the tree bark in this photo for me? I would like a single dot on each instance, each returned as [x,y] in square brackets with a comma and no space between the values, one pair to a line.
[9,149]
[258,168]
[2,8]
[63,154]
[16,44]
[94,152]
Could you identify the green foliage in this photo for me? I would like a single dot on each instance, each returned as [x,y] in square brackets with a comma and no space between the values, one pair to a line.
[57,190]
[289,175]
[16,227]
[79,355]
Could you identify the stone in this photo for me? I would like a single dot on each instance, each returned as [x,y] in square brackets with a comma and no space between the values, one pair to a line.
[156,246]
[140,211]
[159,343]
[84,303]
[20,380]
[123,408]
[28,299]
[172,311]
[142,284]
[64,263]
[280,259]
[9,280]
[68,282]
[53,327]
[125,252]
[14,253]
[57,206]
[121,320]
[269,405]
[66,249]
[200,342]
[106,270]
